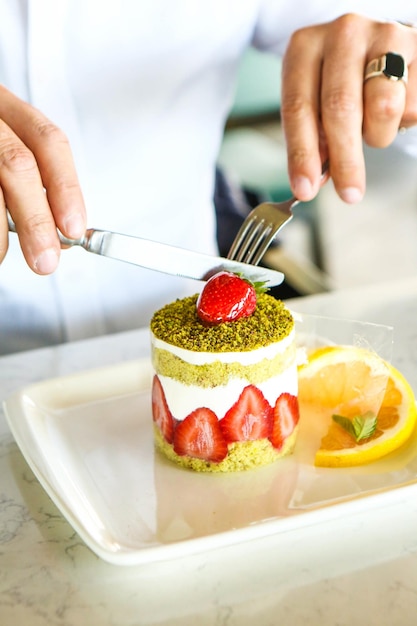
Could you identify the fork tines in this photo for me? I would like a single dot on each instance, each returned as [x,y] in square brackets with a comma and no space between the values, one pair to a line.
[258,231]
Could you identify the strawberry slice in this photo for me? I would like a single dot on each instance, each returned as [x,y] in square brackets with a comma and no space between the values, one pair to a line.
[250,418]
[199,436]
[161,414]
[285,418]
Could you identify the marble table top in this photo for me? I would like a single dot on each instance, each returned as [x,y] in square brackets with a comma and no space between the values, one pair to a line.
[358,568]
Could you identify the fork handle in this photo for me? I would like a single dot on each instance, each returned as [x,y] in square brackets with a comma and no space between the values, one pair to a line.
[325,168]
[10,223]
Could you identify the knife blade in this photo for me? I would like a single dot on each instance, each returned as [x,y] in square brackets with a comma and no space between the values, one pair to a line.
[162,257]
[169,259]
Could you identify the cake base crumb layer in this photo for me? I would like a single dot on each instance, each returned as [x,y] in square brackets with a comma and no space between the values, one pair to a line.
[242,455]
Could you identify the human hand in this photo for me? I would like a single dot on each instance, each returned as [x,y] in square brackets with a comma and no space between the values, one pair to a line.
[38,184]
[328,109]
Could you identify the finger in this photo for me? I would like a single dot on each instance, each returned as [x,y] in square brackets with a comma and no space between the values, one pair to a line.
[54,159]
[24,196]
[409,116]
[341,105]
[384,97]
[300,111]
[4,239]
[407,34]
[384,104]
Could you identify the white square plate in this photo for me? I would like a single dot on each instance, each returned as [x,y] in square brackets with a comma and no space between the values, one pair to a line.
[88,438]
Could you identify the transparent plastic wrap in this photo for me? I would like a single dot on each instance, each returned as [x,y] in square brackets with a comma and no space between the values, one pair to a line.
[315,331]
[344,378]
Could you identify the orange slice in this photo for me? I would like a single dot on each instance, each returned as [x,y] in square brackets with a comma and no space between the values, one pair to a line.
[351,381]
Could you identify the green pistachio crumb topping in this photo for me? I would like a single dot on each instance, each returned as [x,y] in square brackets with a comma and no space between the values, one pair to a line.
[177,323]
[242,455]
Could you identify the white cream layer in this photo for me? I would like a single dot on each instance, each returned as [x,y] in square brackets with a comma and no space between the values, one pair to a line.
[183,399]
[244,358]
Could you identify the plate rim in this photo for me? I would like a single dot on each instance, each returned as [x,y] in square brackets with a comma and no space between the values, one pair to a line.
[16,416]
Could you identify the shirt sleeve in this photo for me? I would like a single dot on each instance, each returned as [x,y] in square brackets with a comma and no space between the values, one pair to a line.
[277,20]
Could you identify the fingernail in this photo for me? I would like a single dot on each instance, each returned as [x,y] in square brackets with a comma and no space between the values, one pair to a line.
[351,195]
[74,226]
[302,187]
[47,261]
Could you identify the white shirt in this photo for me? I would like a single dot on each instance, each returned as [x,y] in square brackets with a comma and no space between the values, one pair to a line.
[142,89]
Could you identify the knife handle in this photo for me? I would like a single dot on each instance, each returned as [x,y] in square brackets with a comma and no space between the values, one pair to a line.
[86,241]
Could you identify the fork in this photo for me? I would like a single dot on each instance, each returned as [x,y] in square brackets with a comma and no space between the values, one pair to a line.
[261,226]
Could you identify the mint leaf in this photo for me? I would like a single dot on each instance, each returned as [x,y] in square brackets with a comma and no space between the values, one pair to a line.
[360,427]
[345,423]
[364,425]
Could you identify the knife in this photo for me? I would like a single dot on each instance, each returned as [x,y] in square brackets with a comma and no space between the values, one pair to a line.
[162,257]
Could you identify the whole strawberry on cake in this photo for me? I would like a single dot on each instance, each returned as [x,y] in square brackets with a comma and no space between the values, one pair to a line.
[224,392]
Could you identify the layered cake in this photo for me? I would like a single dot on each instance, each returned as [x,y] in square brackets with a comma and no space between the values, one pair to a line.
[224,393]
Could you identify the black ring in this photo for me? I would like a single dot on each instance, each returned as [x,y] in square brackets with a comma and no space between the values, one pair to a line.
[390,65]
